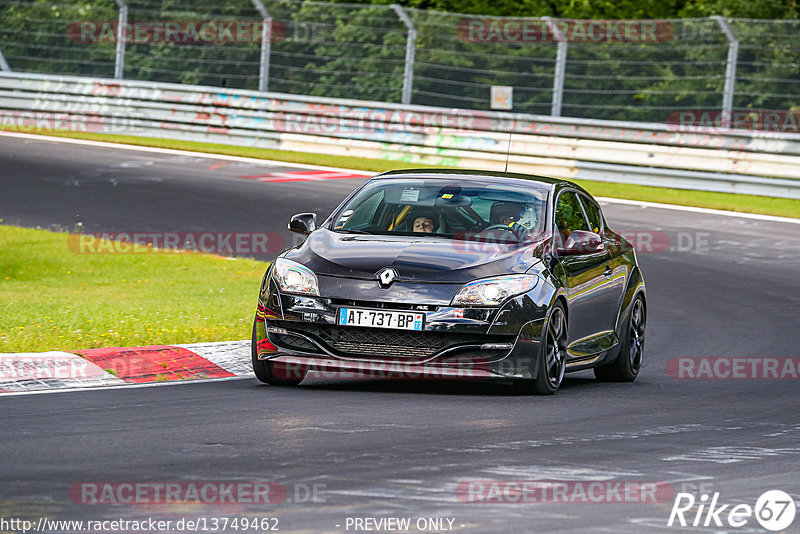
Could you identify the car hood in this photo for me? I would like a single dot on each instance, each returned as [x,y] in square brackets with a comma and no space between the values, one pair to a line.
[418,259]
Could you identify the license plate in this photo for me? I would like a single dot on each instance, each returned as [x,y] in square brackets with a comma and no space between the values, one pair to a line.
[397,320]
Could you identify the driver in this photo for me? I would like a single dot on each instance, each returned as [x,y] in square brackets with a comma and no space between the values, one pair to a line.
[518,217]
[506,213]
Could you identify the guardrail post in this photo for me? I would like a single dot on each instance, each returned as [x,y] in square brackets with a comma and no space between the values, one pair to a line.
[266,43]
[561,63]
[122,22]
[411,50]
[730,72]
[3,64]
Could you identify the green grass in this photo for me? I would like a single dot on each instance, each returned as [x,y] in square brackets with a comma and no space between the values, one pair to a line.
[54,299]
[725,201]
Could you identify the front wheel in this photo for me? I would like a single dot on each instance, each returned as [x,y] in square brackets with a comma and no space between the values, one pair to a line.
[552,357]
[265,370]
[626,367]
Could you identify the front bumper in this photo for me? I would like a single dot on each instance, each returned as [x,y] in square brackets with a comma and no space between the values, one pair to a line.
[467,342]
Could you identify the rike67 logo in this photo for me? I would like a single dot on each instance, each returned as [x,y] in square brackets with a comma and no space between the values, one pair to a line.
[774,510]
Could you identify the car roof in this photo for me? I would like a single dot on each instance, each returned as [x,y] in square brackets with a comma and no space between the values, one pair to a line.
[482,175]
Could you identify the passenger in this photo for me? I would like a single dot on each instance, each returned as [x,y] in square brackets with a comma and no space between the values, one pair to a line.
[423,221]
[423,224]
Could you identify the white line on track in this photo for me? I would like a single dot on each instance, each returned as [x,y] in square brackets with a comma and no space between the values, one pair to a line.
[121,146]
[124,386]
[707,211]
[176,152]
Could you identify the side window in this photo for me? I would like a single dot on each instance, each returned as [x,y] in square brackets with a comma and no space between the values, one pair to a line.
[593,214]
[569,215]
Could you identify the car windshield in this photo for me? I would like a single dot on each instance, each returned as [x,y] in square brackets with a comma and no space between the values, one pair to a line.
[445,208]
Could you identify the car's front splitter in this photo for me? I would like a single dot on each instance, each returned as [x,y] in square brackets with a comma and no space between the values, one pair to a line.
[290,366]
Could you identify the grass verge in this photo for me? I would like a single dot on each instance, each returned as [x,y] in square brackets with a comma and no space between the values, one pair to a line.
[725,201]
[55,299]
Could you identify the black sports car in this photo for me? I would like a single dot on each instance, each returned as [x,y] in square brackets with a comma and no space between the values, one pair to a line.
[449,273]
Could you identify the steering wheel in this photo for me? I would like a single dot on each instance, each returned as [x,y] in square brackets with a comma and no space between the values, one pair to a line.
[499,227]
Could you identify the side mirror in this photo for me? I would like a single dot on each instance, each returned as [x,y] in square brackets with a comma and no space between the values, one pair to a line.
[303,223]
[581,242]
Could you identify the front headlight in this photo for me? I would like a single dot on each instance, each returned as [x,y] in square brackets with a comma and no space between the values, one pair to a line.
[493,291]
[293,277]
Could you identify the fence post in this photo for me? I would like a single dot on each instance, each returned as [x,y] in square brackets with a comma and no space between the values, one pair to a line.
[561,63]
[266,43]
[122,22]
[730,72]
[411,49]
[3,64]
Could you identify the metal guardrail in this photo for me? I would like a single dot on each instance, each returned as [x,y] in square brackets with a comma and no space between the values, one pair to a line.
[636,153]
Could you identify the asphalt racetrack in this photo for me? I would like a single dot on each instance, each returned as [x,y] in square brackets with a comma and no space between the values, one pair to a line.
[343,449]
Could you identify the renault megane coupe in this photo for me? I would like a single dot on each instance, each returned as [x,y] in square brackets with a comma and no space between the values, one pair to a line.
[453,273]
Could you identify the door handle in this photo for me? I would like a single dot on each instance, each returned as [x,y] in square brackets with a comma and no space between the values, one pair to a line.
[608,272]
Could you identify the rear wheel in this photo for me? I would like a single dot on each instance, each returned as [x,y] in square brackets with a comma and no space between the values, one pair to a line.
[553,356]
[265,370]
[626,367]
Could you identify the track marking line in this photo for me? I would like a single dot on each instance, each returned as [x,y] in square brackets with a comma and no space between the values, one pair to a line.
[176,152]
[706,211]
[126,386]
[304,176]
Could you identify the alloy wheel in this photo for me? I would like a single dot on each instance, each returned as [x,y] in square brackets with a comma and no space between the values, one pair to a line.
[556,353]
[636,335]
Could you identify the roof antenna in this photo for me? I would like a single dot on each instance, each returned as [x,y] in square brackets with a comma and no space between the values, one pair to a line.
[508,150]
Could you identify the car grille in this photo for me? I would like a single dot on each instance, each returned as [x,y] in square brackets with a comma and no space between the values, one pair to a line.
[405,345]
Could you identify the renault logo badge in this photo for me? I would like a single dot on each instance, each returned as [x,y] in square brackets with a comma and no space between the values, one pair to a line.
[386,276]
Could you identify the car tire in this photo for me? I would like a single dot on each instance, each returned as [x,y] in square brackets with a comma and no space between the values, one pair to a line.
[627,365]
[265,369]
[552,361]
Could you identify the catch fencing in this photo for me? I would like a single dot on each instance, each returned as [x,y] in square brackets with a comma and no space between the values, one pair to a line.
[640,71]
